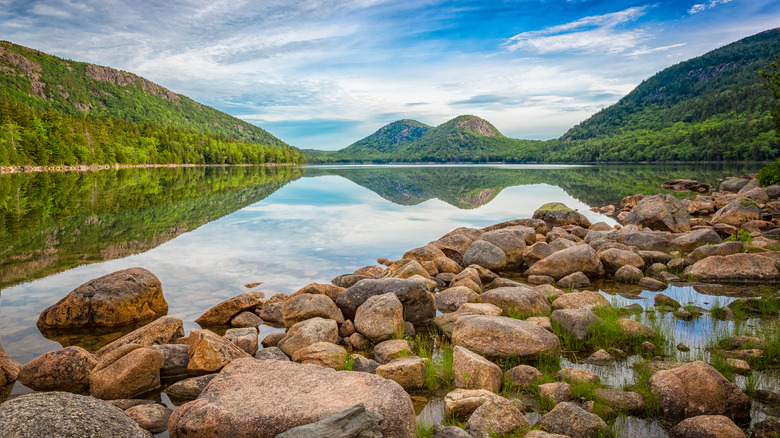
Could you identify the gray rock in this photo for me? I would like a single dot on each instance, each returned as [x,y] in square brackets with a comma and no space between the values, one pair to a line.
[189,389]
[556,214]
[176,359]
[473,371]
[354,422]
[576,322]
[689,241]
[62,414]
[419,305]
[451,299]
[271,353]
[650,283]
[243,338]
[733,185]
[349,280]
[661,212]
[452,432]
[485,254]
[557,392]
[364,364]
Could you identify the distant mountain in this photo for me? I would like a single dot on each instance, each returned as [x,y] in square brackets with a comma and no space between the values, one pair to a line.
[464,138]
[57,111]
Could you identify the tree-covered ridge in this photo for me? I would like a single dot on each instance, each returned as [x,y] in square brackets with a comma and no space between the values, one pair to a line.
[710,108]
[55,111]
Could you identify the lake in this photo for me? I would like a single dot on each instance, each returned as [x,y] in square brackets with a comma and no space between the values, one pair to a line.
[208,231]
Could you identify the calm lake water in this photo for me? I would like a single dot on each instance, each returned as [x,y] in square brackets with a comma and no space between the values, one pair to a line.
[208,231]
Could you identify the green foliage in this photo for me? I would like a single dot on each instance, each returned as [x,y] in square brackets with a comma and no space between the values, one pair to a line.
[770,174]
[772,82]
[438,371]
[425,430]
[72,113]
[741,236]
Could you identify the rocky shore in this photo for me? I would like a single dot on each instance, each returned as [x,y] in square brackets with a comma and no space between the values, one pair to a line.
[484,318]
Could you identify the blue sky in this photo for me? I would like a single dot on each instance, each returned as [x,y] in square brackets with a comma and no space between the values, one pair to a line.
[325,73]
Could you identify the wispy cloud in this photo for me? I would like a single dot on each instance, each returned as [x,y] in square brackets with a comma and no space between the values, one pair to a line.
[700,7]
[646,51]
[598,33]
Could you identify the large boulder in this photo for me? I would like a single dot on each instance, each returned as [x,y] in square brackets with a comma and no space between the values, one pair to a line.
[496,417]
[648,241]
[721,249]
[697,388]
[580,300]
[485,254]
[190,389]
[661,212]
[409,372]
[737,212]
[512,241]
[577,322]
[113,300]
[165,330]
[613,259]
[419,305]
[556,214]
[61,370]
[473,371]
[446,321]
[710,426]
[64,415]
[733,185]
[735,268]
[210,352]
[126,372]
[323,354]
[222,313]
[236,402]
[354,422]
[580,258]
[9,369]
[498,336]
[571,420]
[380,317]
[305,306]
[463,402]
[309,332]
[689,241]
[521,300]
[451,299]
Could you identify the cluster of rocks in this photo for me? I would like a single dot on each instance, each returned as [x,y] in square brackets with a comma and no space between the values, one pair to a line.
[295,383]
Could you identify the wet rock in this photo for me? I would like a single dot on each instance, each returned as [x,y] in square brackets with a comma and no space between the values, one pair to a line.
[210,352]
[600,357]
[418,302]
[364,364]
[380,317]
[452,298]
[308,332]
[572,281]
[386,351]
[463,402]
[245,319]
[687,185]
[271,353]
[61,370]
[66,415]
[711,426]
[236,402]
[243,338]
[577,322]
[735,268]
[521,300]
[697,388]
[324,354]
[113,300]
[190,389]
[126,372]
[176,358]
[556,214]
[152,417]
[580,258]
[165,330]
[354,422]
[627,401]
[737,212]
[409,372]
[569,419]
[580,300]
[574,375]
[660,212]
[306,306]
[497,336]
[222,313]
[496,417]
[629,275]
[473,371]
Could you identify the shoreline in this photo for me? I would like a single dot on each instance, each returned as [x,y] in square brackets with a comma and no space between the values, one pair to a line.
[83,168]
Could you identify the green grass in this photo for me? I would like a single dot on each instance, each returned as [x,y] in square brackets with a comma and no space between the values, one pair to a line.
[741,236]
[434,347]
[349,362]
[425,431]
[642,374]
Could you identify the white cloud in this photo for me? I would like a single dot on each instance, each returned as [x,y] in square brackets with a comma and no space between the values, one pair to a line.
[645,51]
[596,33]
[700,7]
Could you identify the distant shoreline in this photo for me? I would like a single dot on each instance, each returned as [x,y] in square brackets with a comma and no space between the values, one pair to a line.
[82,168]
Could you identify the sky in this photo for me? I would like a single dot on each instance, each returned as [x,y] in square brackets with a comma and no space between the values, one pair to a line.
[325,73]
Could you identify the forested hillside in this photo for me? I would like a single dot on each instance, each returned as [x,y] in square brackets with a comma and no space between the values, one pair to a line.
[55,111]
